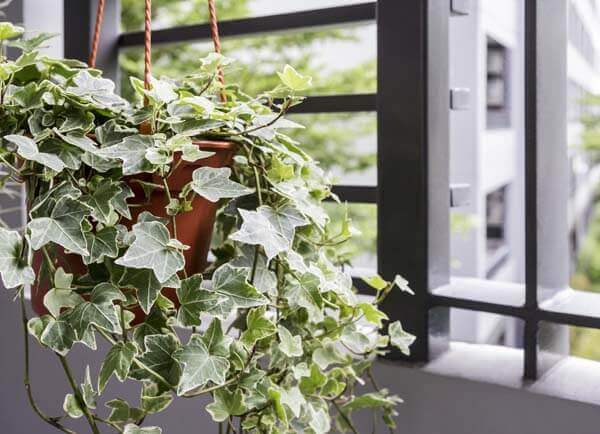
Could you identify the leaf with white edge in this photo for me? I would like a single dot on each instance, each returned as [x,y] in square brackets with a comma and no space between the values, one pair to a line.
[13,269]
[28,149]
[117,361]
[62,227]
[159,358]
[199,365]
[96,90]
[78,140]
[293,399]
[273,229]
[161,91]
[400,338]
[152,400]
[87,390]
[193,153]
[258,326]
[100,200]
[151,250]
[119,201]
[319,420]
[215,340]
[132,151]
[327,355]
[214,184]
[134,429]
[59,336]
[199,103]
[289,345]
[101,244]
[372,314]
[402,284]
[305,293]
[265,280]
[122,412]
[145,282]
[376,282]
[58,298]
[232,283]
[194,300]
[227,404]
[99,311]
[71,406]
[294,80]
[372,400]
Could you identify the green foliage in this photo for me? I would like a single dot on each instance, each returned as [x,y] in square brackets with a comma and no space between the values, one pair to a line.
[279,338]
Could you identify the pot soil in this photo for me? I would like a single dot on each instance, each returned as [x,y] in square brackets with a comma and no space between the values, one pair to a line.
[194,228]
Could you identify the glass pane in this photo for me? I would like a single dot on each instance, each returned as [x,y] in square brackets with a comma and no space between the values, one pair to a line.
[344,143]
[169,13]
[340,60]
[485,328]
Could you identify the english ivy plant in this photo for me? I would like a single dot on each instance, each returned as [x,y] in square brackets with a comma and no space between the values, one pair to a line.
[276,334]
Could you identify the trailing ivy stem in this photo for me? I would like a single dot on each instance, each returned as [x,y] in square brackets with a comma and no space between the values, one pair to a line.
[169,198]
[123,330]
[77,394]
[345,417]
[53,421]
[49,261]
[109,423]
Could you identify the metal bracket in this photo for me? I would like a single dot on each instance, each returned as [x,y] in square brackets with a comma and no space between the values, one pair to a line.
[460,98]
[460,195]
[460,7]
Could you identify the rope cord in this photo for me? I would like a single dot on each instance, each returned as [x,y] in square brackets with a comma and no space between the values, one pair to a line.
[97,30]
[147,43]
[214,34]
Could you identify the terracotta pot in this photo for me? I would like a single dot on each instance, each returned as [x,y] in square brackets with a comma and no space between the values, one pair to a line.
[194,228]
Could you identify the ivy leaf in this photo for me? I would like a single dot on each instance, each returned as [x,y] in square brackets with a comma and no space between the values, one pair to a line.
[265,280]
[79,140]
[305,293]
[193,153]
[122,412]
[400,338]
[319,420]
[132,151]
[99,311]
[13,270]
[152,401]
[87,390]
[96,90]
[62,227]
[101,244]
[402,284]
[117,361]
[134,429]
[100,201]
[272,229]
[232,283]
[199,365]
[59,336]
[215,340]
[58,298]
[227,404]
[214,184]
[258,327]
[327,355]
[289,345]
[372,400]
[28,149]
[372,314]
[194,300]
[293,79]
[293,399]
[9,30]
[152,250]
[119,201]
[159,357]
[376,282]
[145,282]
[71,407]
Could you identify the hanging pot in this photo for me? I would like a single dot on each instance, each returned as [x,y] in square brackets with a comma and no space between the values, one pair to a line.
[194,228]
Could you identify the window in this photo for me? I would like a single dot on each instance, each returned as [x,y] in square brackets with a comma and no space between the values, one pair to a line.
[412,194]
[497,84]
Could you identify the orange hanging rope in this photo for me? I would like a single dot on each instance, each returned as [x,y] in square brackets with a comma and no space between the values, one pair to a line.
[214,33]
[97,30]
[147,43]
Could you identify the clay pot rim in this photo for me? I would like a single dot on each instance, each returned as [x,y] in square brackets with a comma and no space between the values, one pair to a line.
[215,144]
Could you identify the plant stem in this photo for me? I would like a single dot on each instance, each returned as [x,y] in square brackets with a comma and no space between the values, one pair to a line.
[77,394]
[53,421]
[109,423]
[345,417]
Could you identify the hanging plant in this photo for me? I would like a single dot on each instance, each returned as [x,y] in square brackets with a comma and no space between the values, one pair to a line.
[119,224]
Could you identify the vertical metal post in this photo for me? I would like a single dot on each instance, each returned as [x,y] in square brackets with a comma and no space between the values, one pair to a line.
[79,21]
[413,156]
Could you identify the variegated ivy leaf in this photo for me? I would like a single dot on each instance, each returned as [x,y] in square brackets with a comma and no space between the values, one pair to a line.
[294,80]
[119,201]
[58,335]
[117,361]
[58,298]
[204,359]
[144,282]
[159,358]
[122,412]
[134,429]
[258,326]
[289,344]
[101,244]
[193,153]
[132,151]
[194,300]
[96,90]
[78,140]
[13,269]
[87,390]
[99,311]
[227,404]
[153,249]
[214,184]
[9,30]
[273,229]
[152,400]
[304,292]
[264,279]
[71,406]
[231,283]
[400,338]
[101,198]
[63,227]
[28,149]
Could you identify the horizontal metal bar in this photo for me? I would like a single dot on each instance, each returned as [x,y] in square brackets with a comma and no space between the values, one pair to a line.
[250,26]
[569,319]
[480,306]
[337,104]
[356,194]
